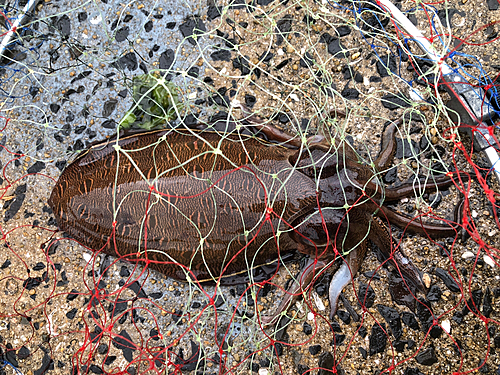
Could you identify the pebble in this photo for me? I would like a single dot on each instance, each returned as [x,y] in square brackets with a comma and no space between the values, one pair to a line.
[427,280]
[468,255]
[355,55]
[446,325]
[319,303]
[490,262]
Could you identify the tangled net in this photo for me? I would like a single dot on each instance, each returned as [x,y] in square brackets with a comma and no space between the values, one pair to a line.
[67,80]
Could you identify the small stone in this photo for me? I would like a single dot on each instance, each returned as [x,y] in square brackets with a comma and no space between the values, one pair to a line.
[427,357]
[314,349]
[468,255]
[490,262]
[427,280]
[378,339]
[306,328]
[289,48]
[446,325]
[355,55]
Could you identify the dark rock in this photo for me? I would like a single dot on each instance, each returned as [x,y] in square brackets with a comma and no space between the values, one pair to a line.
[129,61]
[343,30]
[213,12]
[427,319]
[95,369]
[122,34]
[306,328]
[391,176]
[492,4]
[366,295]
[450,283]
[192,26]
[54,107]
[63,24]
[71,313]
[282,64]
[109,107]
[344,316]
[170,25]
[194,72]
[410,320]
[378,339]
[434,293]
[36,167]
[307,61]
[314,349]
[266,362]
[350,93]
[404,148]
[335,326]
[395,101]
[473,304]
[148,26]
[385,63]
[13,206]
[391,316]
[363,352]
[302,369]
[167,59]
[137,289]
[337,340]
[23,352]
[250,100]
[325,364]
[283,28]
[336,49]
[496,341]
[82,16]
[221,55]
[109,124]
[45,366]
[427,357]
[124,342]
[487,307]
[362,331]
[375,22]
[400,345]
[278,349]
[435,200]
[242,63]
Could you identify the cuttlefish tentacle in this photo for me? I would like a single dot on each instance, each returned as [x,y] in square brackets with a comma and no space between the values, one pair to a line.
[381,237]
[415,225]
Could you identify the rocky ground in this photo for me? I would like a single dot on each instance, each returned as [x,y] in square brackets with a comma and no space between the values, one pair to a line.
[291,62]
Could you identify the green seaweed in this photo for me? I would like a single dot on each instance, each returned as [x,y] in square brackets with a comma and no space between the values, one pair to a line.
[156,102]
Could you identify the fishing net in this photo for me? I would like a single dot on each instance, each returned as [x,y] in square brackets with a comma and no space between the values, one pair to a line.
[74,74]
